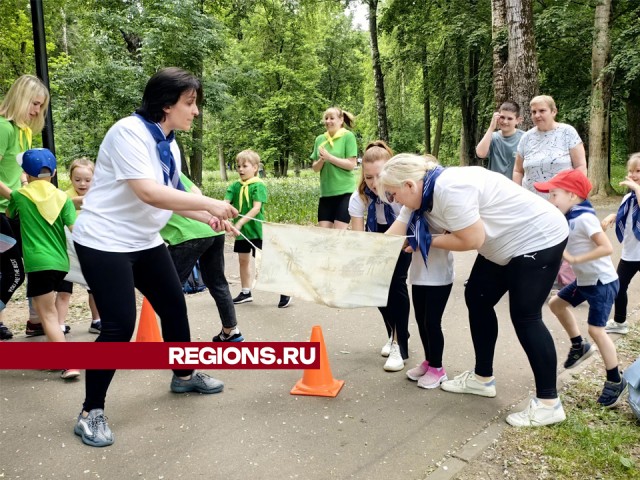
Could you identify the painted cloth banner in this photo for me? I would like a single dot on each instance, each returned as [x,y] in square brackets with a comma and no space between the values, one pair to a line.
[337,268]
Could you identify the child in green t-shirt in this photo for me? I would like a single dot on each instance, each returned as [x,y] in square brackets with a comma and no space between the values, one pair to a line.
[249,196]
[44,212]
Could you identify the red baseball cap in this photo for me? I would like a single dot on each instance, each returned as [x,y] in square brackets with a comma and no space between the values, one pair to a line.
[570,180]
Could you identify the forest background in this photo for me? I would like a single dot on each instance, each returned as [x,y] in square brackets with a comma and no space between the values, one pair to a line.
[424,74]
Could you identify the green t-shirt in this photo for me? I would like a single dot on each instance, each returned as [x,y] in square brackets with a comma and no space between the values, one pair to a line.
[257,193]
[180,229]
[44,246]
[10,171]
[335,180]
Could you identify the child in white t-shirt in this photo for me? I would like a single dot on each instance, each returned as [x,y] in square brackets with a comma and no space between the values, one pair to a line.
[588,251]
[627,222]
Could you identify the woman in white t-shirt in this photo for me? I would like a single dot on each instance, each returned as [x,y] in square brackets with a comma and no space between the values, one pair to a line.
[136,189]
[548,148]
[364,202]
[519,237]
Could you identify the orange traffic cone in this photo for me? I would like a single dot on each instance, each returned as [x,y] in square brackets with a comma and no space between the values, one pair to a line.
[319,383]
[148,330]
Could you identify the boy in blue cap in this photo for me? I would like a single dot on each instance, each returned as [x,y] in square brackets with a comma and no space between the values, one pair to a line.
[44,212]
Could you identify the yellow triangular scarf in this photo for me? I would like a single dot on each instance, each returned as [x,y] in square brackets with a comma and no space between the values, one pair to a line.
[329,139]
[25,144]
[47,198]
[244,189]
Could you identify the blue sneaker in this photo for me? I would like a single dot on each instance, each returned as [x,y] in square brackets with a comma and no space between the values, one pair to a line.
[612,393]
[233,336]
[578,355]
[199,382]
[93,429]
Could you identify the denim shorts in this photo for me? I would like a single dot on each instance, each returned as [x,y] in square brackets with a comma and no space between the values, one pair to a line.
[599,297]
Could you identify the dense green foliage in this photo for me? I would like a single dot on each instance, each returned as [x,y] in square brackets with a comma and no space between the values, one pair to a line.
[271,67]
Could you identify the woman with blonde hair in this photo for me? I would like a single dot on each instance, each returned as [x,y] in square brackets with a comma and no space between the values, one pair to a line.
[519,237]
[335,157]
[22,114]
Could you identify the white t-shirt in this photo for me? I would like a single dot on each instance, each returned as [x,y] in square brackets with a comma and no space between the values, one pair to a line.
[630,244]
[358,209]
[546,153]
[581,229]
[515,220]
[439,268]
[113,218]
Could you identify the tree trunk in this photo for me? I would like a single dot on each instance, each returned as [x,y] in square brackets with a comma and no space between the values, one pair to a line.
[632,105]
[601,81]
[440,121]
[468,85]
[196,149]
[221,163]
[378,77]
[426,100]
[499,40]
[522,62]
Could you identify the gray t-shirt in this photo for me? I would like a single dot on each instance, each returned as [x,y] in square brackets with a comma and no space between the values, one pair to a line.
[502,152]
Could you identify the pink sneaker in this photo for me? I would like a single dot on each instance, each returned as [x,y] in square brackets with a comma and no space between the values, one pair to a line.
[433,378]
[418,371]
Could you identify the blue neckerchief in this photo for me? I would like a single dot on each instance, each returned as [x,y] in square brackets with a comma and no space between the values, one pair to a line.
[372,218]
[169,170]
[579,209]
[418,225]
[630,204]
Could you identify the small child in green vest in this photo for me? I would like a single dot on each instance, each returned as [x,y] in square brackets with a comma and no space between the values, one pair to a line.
[44,212]
[249,196]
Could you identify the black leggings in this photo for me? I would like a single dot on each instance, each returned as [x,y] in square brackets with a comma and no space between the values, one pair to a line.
[113,278]
[626,271]
[429,302]
[396,313]
[528,279]
[11,267]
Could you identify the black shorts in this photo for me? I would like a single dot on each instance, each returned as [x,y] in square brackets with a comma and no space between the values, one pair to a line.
[336,208]
[45,281]
[242,246]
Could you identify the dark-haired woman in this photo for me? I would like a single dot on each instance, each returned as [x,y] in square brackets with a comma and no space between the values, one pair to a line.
[136,188]
[335,156]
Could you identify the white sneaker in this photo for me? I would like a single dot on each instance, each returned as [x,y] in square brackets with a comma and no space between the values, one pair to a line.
[387,348]
[614,327]
[537,414]
[395,362]
[468,383]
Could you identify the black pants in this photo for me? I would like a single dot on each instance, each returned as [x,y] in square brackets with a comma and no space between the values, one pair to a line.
[429,302]
[11,266]
[626,271]
[528,279]
[396,313]
[113,278]
[210,252]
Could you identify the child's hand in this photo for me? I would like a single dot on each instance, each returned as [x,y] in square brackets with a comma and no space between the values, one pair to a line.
[630,184]
[570,259]
[608,221]
[494,121]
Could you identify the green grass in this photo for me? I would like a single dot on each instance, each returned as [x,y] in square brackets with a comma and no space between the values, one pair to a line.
[292,199]
[593,442]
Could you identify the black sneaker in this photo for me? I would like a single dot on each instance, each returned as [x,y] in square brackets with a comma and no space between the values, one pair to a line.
[284,301]
[5,333]
[34,329]
[67,329]
[612,393]
[233,336]
[96,327]
[578,355]
[243,298]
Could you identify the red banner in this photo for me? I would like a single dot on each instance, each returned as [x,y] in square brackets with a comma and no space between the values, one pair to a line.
[159,355]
